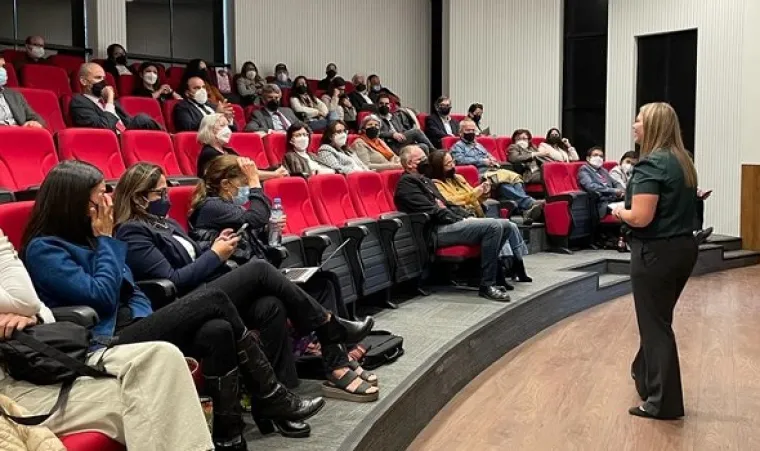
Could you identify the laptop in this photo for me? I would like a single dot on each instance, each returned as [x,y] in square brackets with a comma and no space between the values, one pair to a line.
[302,275]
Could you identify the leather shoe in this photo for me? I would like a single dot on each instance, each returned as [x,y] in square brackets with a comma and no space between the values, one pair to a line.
[355,331]
[493,293]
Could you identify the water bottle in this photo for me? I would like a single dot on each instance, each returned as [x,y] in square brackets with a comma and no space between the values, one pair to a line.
[275,234]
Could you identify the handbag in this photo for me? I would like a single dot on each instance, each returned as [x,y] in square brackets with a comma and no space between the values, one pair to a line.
[382,348]
[48,354]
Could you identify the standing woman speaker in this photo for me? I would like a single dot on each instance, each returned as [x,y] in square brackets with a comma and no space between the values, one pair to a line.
[660,207]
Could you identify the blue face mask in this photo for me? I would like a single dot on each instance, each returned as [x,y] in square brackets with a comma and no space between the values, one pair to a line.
[3,76]
[159,207]
[242,196]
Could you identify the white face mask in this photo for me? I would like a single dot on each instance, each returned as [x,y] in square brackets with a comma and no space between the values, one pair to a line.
[522,143]
[150,78]
[3,76]
[282,76]
[201,96]
[626,167]
[224,135]
[37,52]
[251,75]
[596,161]
[301,143]
[340,139]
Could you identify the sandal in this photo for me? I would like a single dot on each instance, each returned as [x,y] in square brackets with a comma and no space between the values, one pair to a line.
[338,388]
[368,377]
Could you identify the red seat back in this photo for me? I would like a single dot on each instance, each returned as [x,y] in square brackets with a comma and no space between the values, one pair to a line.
[65,104]
[557,179]
[390,180]
[275,146]
[146,105]
[173,76]
[537,140]
[187,148]
[421,118]
[296,203]
[447,142]
[572,171]
[285,99]
[13,219]
[315,142]
[12,76]
[610,165]
[248,111]
[360,117]
[458,117]
[239,116]
[45,103]
[26,156]
[503,143]
[250,145]
[69,63]
[126,85]
[331,199]
[98,147]
[368,194]
[11,55]
[470,173]
[180,198]
[489,142]
[46,77]
[168,110]
[152,147]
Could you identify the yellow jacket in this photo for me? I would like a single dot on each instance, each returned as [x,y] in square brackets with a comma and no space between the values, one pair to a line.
[459,192]
[14,437]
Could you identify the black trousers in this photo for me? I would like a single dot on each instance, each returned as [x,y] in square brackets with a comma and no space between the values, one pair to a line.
[700,219]
[659,271]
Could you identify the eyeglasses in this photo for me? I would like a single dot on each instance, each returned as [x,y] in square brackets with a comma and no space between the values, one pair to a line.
[163,192]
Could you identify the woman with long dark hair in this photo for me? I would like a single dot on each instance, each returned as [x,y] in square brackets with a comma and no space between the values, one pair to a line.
[306,105]
[72,260]
[660,207]
[334,152]
[557,148]
[249,84]
[149,84]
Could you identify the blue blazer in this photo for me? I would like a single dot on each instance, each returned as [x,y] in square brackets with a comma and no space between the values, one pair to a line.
[153,253]
[66,274]
[600,183]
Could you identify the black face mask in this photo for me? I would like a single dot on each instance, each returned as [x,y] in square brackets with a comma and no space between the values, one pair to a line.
[423,167]
[122,59]
[444,110]
[476,118]
[331,73]
[361,87]
[159,207]
[450,173]
[97,88]
[301,89]
[383,109]
[273,105]
[372,132]
[469,137]
[553,139]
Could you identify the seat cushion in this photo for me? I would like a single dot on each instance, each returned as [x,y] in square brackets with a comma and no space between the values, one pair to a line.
[90,441]
[458,252]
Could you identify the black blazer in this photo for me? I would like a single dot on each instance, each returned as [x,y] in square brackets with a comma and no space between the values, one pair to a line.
[418,194]
[207,154]
[187,116]
[435,130]
[261,120]
[85,113]
[152,253]
[360,103]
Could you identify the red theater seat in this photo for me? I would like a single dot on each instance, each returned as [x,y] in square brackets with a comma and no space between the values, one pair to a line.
[168,110]
[537,140]
[126,85]
[470,173]
[315,142]
[187,148]
[11,55]
[12,76]
[65,108]
[45,103]
[296,203]
[69,63]
[331,199]
[360,117]
[447,142]
[146,105]
[152,147]
[251,145]
[421,118]
[390,180]
[275,146]
[13,219]
[172,76]
[26,156]
[46,77]
[489,142]
[567,210]
[610,165]
[180,197]
[368,194]
[239,116]
[90,441]
[96,146]
[285,99]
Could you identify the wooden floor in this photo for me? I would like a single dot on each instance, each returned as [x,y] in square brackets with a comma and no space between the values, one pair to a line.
[569,388]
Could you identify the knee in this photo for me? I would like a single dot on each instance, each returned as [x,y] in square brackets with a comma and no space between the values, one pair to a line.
[216,332]
[214,296]
[267,311]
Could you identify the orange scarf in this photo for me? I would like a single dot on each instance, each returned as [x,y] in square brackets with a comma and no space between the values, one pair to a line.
[378,145]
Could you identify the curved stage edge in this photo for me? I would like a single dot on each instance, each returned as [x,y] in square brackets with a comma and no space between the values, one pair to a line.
[401,415]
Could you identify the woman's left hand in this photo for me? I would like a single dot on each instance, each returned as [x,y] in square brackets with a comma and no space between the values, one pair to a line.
[617,212]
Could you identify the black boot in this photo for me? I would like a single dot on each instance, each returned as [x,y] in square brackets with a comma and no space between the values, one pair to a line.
[228,420]
[290,429]
[518,266]
[273,400]
[505,274]
[338,330]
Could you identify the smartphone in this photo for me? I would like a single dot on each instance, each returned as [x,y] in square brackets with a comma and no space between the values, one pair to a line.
[242,228]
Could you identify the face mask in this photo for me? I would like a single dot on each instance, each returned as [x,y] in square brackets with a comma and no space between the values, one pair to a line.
[301,142]
[372,132]
[450,173]
[384,109]
[523,143]
[282,76]
[37,52]
[377,88]
[150,78]
[444,110]
[224,135]
[469,137]
[273,105]
[331,73]
[476,118]
[301,89]
[361,87]
[242,196]
[97,88]
[3,76]
[553,139]
[340,139]
[626,167]
[201,96]
[159,207]
[423,167]
[596,161]
[251,75]
[121,59]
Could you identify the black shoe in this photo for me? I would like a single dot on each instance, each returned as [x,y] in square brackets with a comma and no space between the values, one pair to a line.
[228,420]
[639,411]
[232,445]
[339,330]
[286,405]
[534,213]
[493,293]
[506,285]
[290,429]
[703,235]
[518,266]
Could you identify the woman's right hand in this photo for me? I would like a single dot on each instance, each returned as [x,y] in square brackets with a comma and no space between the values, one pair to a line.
[11,322]
[101,217]
[225,245]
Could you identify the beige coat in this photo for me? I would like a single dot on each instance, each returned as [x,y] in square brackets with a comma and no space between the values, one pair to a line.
[372,158]
[15,437]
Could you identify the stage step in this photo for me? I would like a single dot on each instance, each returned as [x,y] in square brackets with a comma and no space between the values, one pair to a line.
[609,280]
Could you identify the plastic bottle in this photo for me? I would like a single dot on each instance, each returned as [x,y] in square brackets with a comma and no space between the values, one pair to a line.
[275,234]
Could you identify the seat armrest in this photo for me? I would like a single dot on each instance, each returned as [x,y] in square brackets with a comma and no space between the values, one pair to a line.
[161,292]
[29,193]
[314,247]
[6,196]
[357,232]
[569,197]
[77,314]
[491,208]
[276,254]
[182,180]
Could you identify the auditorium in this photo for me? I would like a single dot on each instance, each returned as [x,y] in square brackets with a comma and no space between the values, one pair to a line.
[351,225]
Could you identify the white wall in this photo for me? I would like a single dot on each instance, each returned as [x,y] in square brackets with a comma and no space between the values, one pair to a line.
[720,35]
[750,87]
[508,56]
[388,37]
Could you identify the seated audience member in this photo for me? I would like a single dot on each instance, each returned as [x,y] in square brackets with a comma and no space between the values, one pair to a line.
[359,97]
[330,71]
[622,172]
[152,378]
[214,133]
[282,76]
[249,84]
[331,98]
[377,88]
[525,158]
[199,68]
[335,153]
[373,151]
[148,84]
[196,105]
[297,160]
[458,191]
[73,260]
[35,53]
[95,107]
[350,115]
[14,110]
[452,224]
[475,113]
[467,151]
[116,61]
[440,124]
[399,129]
[272,117]
[594,179]
[558,148]
[307,106]
[158,248]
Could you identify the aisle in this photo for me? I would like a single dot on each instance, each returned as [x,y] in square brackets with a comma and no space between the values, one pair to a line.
[569,388]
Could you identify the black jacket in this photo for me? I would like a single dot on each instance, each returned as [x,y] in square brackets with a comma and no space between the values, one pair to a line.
[418,194]
[401,122]
[85,113]
[360,103]
[208,154]
[435,130]
[187,116]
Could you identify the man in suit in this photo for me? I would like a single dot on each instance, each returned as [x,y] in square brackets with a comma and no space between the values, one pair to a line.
[359,97]
[273,117]
[441,124]
[376,88]
[96,107]
[398,129]
[13,107]
[189,112]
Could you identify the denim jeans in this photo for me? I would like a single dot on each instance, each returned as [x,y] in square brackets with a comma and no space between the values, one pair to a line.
[515,245]
[486,232]
[516,192]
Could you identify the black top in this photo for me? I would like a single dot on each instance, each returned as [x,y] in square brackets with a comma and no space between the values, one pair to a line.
[207,154]
[418,194]
[141,91]
[660,173]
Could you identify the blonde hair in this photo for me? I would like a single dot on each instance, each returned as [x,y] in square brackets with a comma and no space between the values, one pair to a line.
[206,133]
[130,196]
[663,131]
[224,167]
